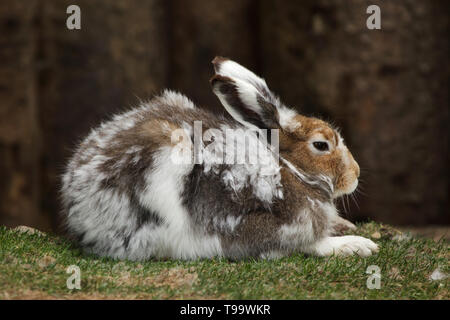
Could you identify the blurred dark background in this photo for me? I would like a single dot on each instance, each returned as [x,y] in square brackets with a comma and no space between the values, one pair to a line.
[387,89]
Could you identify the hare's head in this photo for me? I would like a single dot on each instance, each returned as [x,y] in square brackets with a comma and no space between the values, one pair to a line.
[309,146]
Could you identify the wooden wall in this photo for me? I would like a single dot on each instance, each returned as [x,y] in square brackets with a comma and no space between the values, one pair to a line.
[387,89]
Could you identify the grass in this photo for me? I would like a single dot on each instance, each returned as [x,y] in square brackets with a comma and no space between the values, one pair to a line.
[33,266]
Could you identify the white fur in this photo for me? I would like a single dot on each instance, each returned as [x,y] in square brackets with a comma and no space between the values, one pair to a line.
[345,245]
[177,238]
[230,109]
[299,232]
[102,214]
[287,121]
[249,95]
[234,70]
[263,173]
[91,201]
[326,207]
[173,98]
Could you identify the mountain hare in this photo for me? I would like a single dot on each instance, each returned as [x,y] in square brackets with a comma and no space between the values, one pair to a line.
[134,190]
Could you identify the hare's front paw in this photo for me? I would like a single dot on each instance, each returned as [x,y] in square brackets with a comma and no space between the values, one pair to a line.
[342,225]
[345,246]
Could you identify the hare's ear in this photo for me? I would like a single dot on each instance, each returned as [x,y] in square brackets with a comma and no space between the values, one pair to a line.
[244,95]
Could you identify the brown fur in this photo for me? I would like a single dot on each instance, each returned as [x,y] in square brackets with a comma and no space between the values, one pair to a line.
[159,131]
[294,146]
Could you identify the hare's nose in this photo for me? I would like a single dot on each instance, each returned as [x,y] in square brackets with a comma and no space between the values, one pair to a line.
[357,171]
[354,164]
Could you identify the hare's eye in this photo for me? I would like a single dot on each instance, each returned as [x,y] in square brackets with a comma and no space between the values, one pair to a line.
[320,145]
